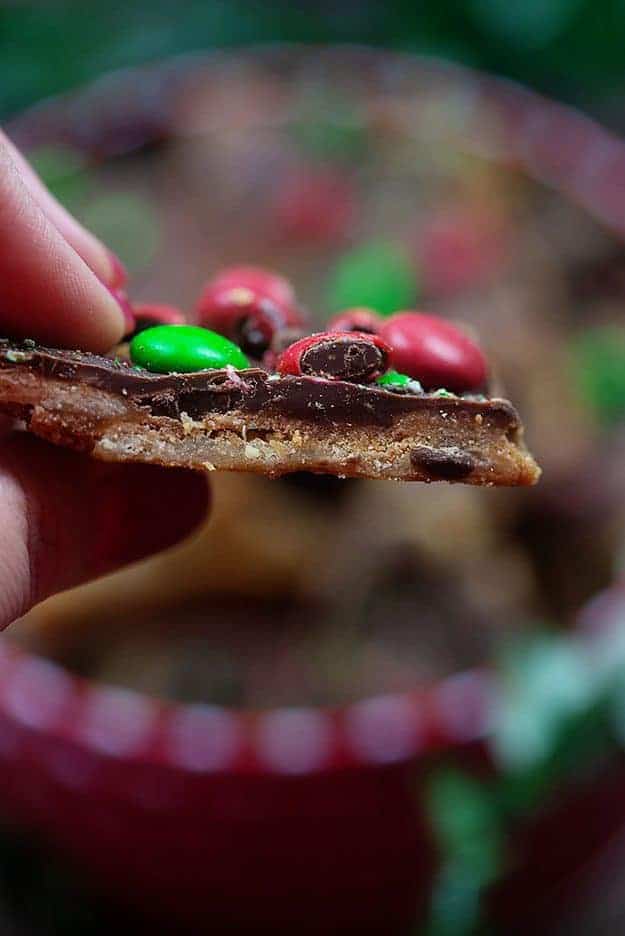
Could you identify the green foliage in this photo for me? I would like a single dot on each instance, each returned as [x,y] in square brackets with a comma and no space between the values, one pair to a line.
[468,828]
[569,47]
[464,814]
[559,717]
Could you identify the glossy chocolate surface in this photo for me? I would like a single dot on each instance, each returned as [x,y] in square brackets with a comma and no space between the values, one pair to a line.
[203,393]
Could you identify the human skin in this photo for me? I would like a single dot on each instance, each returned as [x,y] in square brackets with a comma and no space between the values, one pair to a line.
[65,518]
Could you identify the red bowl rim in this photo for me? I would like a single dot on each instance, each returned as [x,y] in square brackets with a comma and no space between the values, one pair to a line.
[41,696]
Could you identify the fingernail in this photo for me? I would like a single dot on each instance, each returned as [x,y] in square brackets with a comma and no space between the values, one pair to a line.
[125,305]
[119,274]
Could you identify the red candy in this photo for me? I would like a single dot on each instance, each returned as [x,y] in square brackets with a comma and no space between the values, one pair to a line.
[360,320]
[248,305]
[459,251]
[356,356]
[266,282]
[315,205]
[150,313]
[434,352]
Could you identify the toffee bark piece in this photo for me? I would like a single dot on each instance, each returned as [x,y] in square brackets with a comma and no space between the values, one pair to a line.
[265,423]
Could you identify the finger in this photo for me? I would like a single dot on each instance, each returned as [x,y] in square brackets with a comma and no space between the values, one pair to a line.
[47,291]
[102,261]
[65,518]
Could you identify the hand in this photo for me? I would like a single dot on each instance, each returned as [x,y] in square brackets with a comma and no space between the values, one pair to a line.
[65,518]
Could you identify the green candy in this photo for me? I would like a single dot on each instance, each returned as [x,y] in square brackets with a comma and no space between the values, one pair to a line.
[184,348]
[393,378]
[599,371]
[377,276]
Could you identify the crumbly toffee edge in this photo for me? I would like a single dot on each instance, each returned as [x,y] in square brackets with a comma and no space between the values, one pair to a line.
[475,440]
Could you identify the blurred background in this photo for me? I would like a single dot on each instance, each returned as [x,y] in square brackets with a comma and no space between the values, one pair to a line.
[344,707]
[567,48]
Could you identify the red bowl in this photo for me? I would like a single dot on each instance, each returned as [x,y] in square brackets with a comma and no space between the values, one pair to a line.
[201,814]
[204,813]
[292,818]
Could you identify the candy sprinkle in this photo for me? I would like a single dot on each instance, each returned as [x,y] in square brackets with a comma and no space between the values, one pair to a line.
[395,379]
[184,348]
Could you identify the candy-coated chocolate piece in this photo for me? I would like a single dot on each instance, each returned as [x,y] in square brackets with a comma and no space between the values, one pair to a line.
[148,314]
[315,206]
[434,352]
[244,315]
[598,358]
[184,349]
[249,306]
[460,250]
[266,282]
[376,275]
[393,378]
[351,356]
[361,320]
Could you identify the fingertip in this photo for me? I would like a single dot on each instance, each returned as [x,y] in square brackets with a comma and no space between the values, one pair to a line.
[102,261]
[47,290]
[120,297]
[66,518]
[97,321]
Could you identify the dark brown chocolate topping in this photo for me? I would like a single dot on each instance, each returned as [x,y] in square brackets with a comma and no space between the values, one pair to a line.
[343,358]
[221,391]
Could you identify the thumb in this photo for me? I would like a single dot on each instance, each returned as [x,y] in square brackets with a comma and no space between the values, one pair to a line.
[65,518]
[101,261]
[46,290]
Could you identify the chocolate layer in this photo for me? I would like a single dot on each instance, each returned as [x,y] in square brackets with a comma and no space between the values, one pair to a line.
[221,391]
